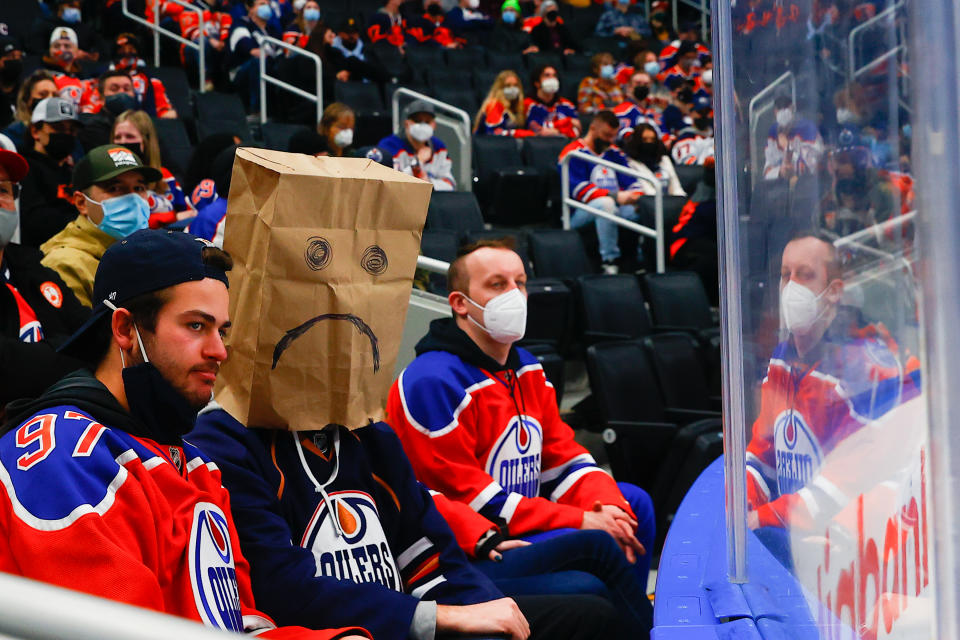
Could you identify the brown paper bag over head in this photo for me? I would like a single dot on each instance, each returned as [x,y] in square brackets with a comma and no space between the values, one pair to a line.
[325,251]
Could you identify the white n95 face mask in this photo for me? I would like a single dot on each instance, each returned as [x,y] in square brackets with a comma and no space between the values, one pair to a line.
[421,131]
[800,307]
[550,85]
[505,316]
[343,138]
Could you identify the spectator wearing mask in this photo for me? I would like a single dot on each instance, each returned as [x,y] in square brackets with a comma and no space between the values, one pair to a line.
[305,21]
[418,152]
[114,95]
[501,113]
[430,27]
[601,187]
[689,32]
[246,44]
[149,92]
[600,90]
[348,40]
[37,309]
[676,115]
[38,85]
[62,60]
[508,34]
[386,25]
[794,146]
[67,13]
[11,66]
[687,67]
[467,21]
[549,113]
[212,215]
[215,28]
[551,34]
[649,157]
[111,184]
[618,20]
[168,203]
[638,107]
[336,125]
[659,26]
[46,198]
[694,143]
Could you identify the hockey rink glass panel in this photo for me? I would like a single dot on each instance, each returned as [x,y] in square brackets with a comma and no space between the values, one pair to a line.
[833,392]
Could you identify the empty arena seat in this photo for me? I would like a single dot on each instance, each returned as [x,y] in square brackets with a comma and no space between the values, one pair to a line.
[441,77]
[175,147]
[689,175]
[456,211]
[439,244]
[466,58]
[501,60]
[538,58]
[510,193]
[559,253]
[518,236]
[421,59]
[276,135]
[542,153]
[177,87]
[458,96]
[611,307]
[680,371]
[220,112]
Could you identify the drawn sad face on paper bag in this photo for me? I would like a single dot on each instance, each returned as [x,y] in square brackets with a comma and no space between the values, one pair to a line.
[325,251]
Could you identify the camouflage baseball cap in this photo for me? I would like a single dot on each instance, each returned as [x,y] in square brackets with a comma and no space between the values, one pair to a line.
[108,161]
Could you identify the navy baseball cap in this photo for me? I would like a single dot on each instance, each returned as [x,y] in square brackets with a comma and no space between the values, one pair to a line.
[145,261]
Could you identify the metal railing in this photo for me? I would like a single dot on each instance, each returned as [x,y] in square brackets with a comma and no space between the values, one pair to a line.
[759,105]
[38,611]
[277,82]
[656,233]
[199,45]
[454,118]
[886,14]
[432,265]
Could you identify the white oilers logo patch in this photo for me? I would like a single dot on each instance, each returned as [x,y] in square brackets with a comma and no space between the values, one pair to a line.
[212,571]
[798,452]
[604,178]
[361,554]
[122,157]
[51,292]
[514,461]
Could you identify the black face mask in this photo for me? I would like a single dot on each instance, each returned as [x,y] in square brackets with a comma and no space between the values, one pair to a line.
[120,102]
[155,403]
[60,145]
[685,96]
[641,92]
[552,15]
[600,145]
[435,10]
[703,123]
[136,147]
[11,70]
[646,153]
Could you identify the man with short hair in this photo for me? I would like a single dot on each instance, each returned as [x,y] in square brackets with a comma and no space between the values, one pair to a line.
[601,187]
[46,199]
[617,20]
[794,144]
[101,105]
[110,195]
[638,107]
[163,538]
[63,60]
[481,425]
[37,309]
[418,152]
[689,32]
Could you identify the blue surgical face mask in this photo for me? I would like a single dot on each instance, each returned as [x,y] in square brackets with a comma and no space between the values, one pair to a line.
[311,15]
[123,215]
[607,71]
[509,17]
[623,3]
[652,68]
[264,12]
[71,15]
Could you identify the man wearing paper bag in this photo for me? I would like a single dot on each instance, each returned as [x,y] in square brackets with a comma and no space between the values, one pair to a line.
[327,508]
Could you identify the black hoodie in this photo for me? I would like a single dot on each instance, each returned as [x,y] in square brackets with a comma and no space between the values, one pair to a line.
[445,335]
[82,390]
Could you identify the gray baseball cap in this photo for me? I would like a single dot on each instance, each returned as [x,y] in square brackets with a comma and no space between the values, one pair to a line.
[418,106]
[54,110]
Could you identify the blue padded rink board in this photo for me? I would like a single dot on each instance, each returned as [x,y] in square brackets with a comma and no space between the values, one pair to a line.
[695,601]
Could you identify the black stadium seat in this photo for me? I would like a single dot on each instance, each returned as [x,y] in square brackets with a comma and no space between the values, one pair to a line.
[438,77]
[646,208]
[460,97]
[220,112]
[559,253]
[500,61]
[421,59]
[519,237]
[611,307]
[373,118]
[440,244]
[276,135]
[456,211]
[690,176]
[551,58]
[175,147]
[175,83]
[542,153]
[465,59]
[680,372]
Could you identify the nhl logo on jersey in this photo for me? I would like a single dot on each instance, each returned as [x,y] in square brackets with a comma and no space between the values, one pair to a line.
[212,571]
[361,553]
[514,460]
[798,451]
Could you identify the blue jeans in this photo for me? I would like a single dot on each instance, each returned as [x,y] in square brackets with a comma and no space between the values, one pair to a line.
[247,81]
[607,231]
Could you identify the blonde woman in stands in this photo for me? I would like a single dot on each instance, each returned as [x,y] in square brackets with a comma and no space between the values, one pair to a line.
[502,113]
[135,131]
[336,125]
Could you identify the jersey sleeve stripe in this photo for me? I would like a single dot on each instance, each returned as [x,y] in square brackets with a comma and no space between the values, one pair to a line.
[100,508]
[450,426]
[571,480]
[510,506]
[485,496]
[418,548]
[550,475]
[761,483]
[422,590]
